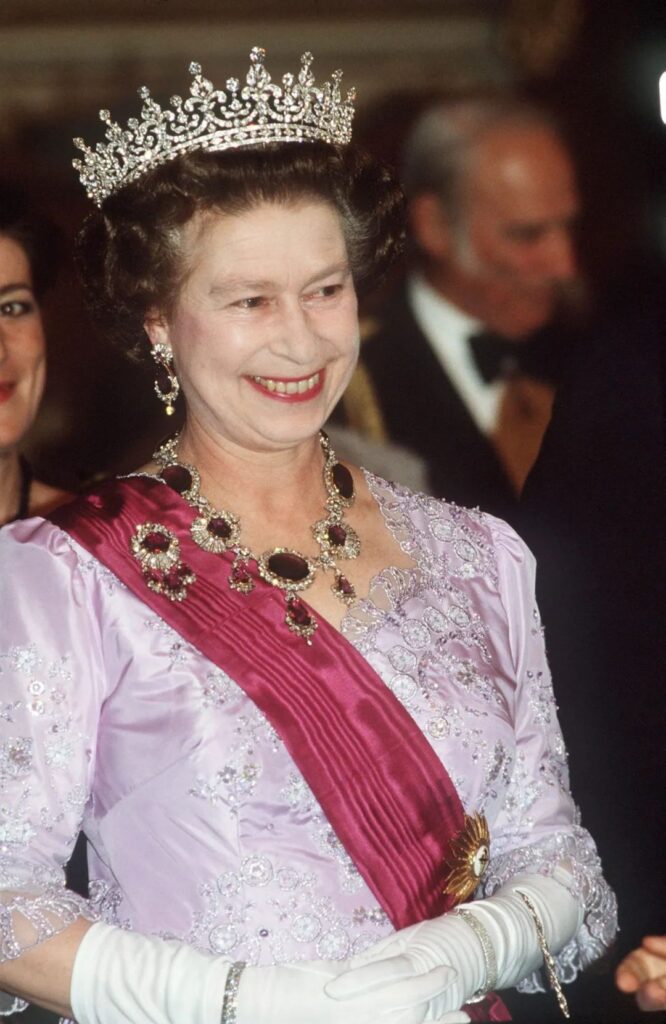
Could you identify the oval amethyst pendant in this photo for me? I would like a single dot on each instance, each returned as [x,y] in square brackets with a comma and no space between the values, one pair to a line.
[155,547]
[337,535]
[343,481]
[286,569]
[287,565]
[184,480]
[336,539]
[337,478]
[158,552]
[215,531]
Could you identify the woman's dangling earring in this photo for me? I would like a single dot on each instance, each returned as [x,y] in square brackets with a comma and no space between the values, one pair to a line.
[167,385]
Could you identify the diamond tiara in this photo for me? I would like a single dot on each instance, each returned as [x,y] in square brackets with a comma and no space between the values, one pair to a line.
[249,114]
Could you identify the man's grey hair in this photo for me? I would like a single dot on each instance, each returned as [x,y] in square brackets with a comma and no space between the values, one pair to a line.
[437,151]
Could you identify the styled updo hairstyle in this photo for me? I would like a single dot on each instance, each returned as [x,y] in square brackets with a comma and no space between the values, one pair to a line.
[130,252]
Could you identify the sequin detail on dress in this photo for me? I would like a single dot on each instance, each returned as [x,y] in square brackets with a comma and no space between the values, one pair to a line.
[454,640]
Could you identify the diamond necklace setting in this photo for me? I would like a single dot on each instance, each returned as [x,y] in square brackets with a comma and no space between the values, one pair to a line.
[218,530]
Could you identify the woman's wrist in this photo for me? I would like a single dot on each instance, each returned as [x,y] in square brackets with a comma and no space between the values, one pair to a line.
[510,924]
[123,975]
[488,951]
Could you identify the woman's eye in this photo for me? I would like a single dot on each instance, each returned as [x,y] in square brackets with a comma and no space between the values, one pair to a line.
[327,291]
[253,302]
[17,307]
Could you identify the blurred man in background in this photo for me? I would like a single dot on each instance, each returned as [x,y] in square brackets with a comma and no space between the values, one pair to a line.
[593,512]
[460,365]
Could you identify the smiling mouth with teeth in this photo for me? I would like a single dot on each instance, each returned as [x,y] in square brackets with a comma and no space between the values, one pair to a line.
[289,389]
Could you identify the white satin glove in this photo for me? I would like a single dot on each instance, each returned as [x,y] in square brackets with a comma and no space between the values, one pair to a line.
[122,976]
[295,994]
[450,940]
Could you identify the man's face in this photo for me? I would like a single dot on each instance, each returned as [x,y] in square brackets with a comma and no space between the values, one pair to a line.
[512,258]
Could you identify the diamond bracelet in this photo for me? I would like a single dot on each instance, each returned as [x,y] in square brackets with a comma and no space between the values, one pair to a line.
[488,953]
[230,999]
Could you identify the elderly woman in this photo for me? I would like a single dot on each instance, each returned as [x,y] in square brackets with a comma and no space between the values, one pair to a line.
[347,809]
[28,253]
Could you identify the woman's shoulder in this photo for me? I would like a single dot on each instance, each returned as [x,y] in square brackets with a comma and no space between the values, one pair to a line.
[36,555]
[39,557]
[439,523]
[36,532]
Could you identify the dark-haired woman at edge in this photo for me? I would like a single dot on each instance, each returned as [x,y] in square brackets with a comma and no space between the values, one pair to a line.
[27,265]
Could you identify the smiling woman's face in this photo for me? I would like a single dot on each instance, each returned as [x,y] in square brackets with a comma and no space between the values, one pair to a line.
[265,331]
[22,349]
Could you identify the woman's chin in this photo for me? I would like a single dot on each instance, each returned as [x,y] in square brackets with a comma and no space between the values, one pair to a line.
[285,436]
[11,435]
[290,425]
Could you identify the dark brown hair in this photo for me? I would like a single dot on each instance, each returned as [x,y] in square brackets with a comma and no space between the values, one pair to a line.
[129,252]
[40,239]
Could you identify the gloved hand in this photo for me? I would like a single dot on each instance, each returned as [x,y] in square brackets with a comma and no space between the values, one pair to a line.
[295,994]
[450,940]
[122,976]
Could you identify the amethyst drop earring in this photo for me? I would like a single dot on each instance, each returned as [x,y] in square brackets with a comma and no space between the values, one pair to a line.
[167,385]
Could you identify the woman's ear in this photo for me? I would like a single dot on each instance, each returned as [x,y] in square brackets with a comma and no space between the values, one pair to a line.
[430,226]
[156,327]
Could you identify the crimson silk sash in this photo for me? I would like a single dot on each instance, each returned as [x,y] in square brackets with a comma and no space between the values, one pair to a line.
[380,784]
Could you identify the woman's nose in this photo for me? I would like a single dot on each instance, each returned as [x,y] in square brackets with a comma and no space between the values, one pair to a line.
[295,336]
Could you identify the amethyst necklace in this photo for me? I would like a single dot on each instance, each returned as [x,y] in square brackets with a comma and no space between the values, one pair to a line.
[218,531]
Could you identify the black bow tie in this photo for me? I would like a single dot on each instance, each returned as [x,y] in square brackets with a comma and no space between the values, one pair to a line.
[495,357]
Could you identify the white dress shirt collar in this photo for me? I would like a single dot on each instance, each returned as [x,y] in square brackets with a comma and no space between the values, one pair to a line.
[448,330]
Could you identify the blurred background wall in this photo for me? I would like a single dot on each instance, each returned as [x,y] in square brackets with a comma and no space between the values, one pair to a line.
[596,63]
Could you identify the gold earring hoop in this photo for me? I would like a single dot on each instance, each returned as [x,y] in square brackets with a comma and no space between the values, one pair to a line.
[167,385]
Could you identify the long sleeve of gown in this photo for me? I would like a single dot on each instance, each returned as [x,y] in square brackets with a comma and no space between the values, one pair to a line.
[51,691]
[111,718]
[538,823]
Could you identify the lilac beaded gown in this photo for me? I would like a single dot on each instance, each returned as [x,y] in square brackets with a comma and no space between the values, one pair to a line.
[199,825]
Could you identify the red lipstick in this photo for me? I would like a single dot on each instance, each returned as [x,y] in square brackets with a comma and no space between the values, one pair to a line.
[289,389]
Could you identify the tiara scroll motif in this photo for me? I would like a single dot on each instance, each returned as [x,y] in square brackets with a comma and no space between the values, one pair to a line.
[258,111]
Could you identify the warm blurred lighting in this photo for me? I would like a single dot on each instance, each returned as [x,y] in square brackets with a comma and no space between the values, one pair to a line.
[662,96]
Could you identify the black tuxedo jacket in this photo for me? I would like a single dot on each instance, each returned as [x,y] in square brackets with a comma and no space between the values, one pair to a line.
[422,410]
[593,512]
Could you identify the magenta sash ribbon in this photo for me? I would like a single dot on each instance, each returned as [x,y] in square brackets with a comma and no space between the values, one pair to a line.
[380,784]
